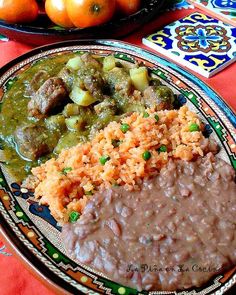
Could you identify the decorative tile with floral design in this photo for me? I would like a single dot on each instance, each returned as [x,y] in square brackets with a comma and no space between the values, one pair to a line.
[178,4]
[222,9]
[197,41]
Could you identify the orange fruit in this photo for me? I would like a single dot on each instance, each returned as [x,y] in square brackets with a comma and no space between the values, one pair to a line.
[18,11]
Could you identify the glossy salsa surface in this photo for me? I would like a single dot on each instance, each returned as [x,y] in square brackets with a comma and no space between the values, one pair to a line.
[109,83]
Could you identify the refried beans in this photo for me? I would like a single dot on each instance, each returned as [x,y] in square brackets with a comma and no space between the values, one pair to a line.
[176,232]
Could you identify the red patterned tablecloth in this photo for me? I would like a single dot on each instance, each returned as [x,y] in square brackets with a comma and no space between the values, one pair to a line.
[15,278]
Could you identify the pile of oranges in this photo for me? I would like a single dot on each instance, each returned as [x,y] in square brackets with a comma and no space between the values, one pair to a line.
[67,13]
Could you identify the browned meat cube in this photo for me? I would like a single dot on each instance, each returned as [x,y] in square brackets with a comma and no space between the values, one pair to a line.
[67,76]
[51,94]
[31,141]
[160,97]
[93,82]
[90,76]
[91,62]
[107,106]
[38,79]
[119,81]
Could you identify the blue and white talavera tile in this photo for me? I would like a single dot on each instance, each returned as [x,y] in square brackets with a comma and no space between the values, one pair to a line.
[222,9]
[179,4]
[197,41]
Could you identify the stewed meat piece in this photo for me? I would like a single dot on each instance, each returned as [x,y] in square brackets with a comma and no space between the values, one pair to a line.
[67,76]
[158,97]
[90,76]
[51,94]
[106,107]
[91,62]
[38,79]
[119,81]
[31,141]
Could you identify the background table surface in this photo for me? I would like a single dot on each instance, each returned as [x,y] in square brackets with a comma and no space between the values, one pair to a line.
[15,278]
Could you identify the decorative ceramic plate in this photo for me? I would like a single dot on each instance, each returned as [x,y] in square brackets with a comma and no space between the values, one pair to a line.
[43,31]
[30,228]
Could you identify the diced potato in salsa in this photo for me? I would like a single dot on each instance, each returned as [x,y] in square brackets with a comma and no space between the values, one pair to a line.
[69,98]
